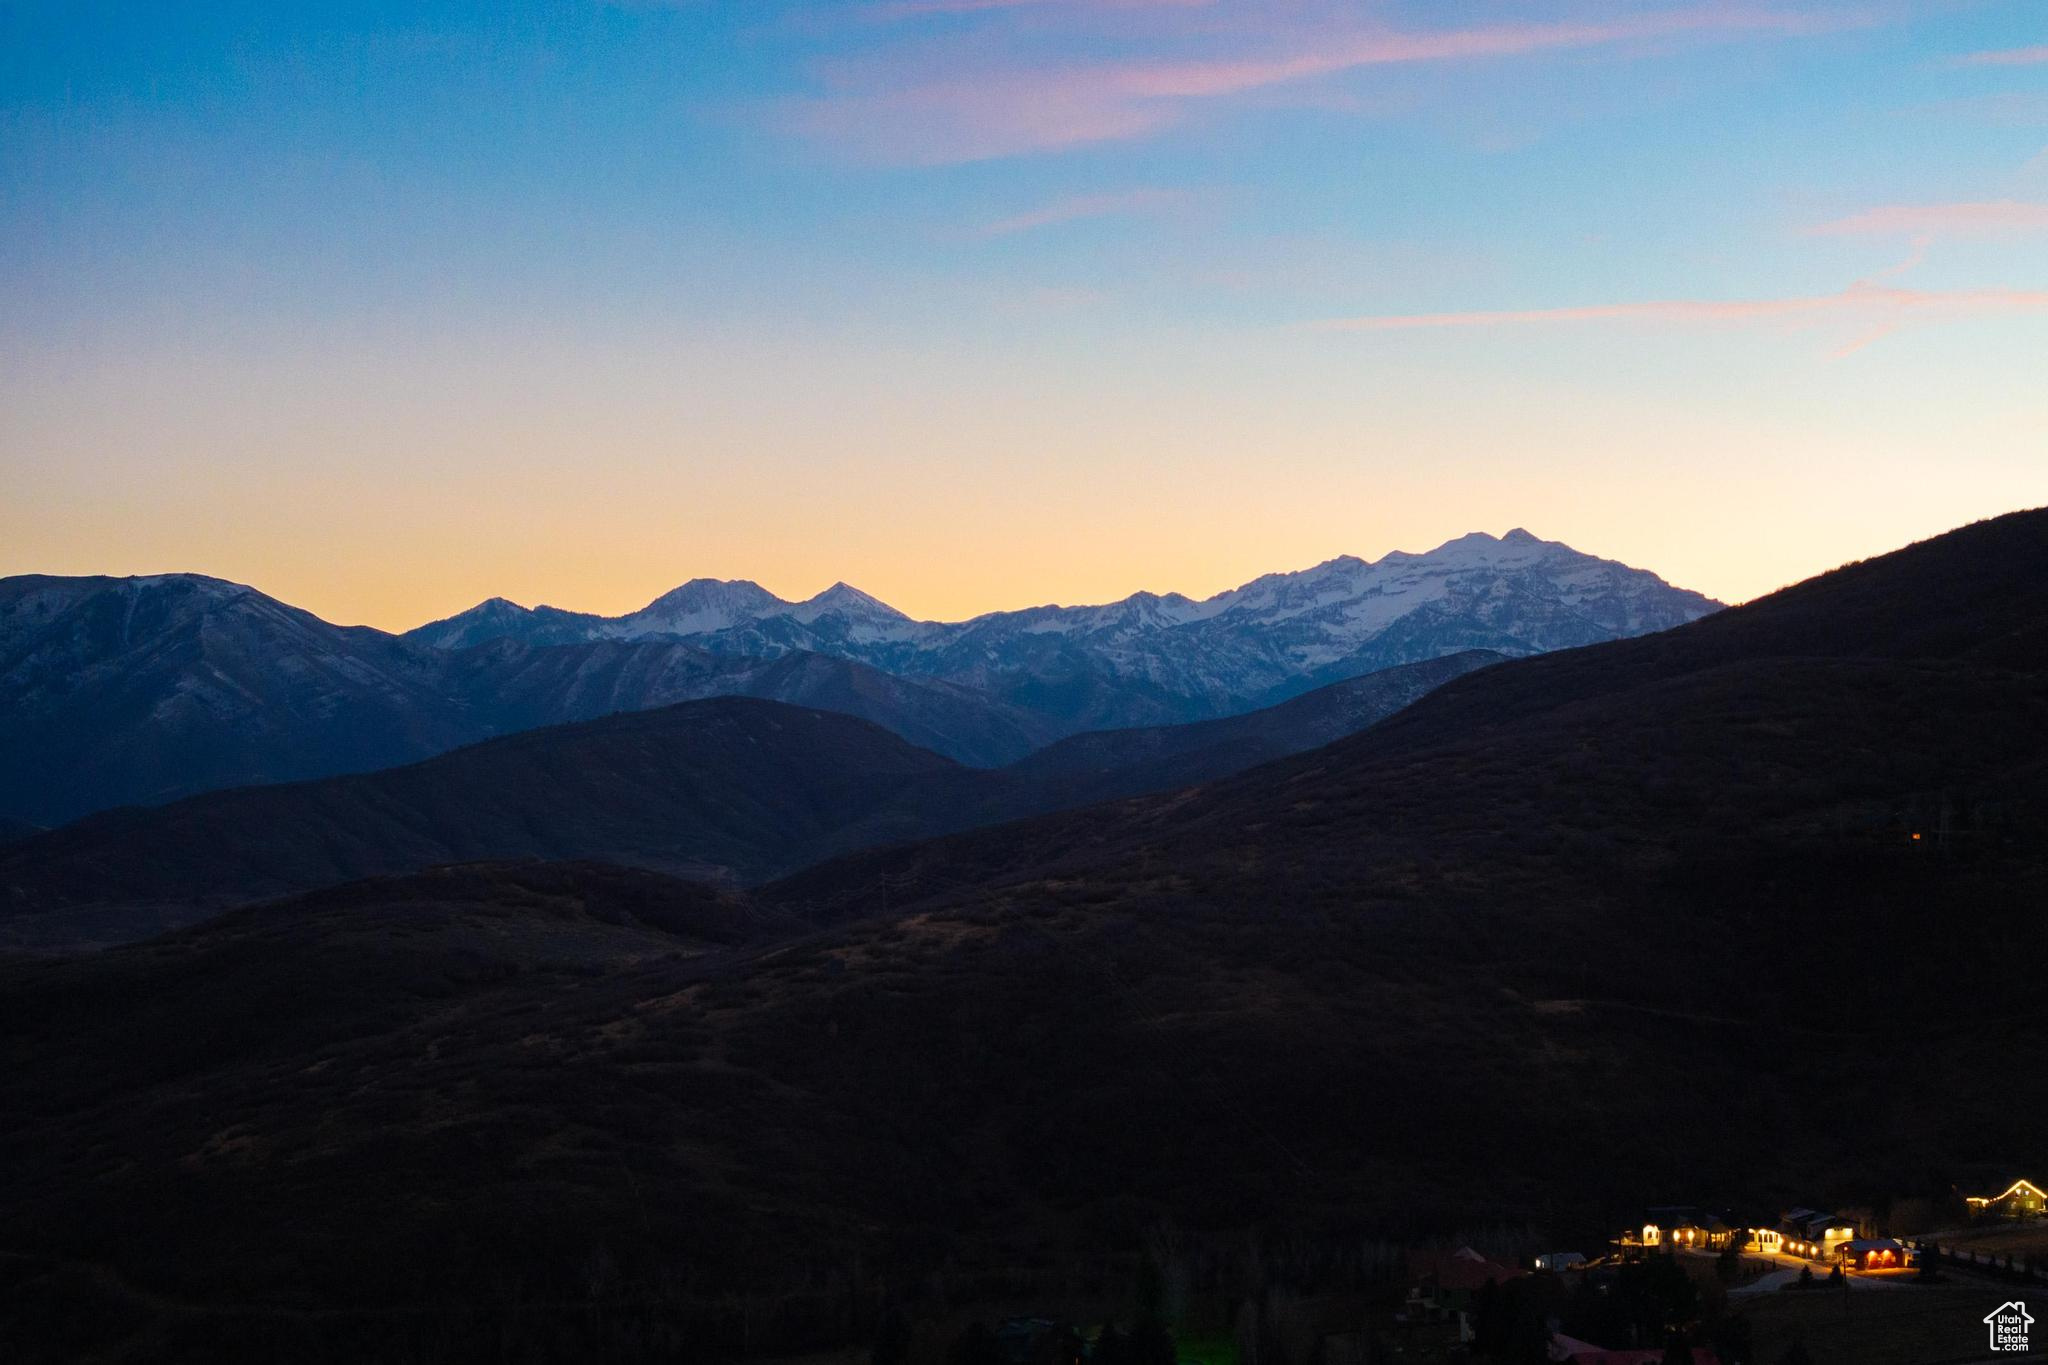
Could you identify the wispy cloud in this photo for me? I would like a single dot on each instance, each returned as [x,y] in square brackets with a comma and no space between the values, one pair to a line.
[892,111]
[894,10]
[1878,309]
[2011,56]
[1075,208]
[1988,218]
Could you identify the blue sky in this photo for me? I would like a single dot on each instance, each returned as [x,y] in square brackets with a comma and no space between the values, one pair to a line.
[386,308]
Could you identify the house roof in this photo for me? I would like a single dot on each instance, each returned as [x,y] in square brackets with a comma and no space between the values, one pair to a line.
[1460,1269]
[2025,1187]
[1863,1244]
[1807,1220]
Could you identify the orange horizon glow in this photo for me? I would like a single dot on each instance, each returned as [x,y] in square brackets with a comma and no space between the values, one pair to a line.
[398,594]
[988,304]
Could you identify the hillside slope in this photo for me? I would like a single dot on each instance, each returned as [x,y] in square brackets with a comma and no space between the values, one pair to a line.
[1103,765]
[726,789]
[509,686]
[665,789]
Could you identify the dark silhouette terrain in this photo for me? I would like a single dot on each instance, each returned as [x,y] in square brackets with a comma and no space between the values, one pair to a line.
[1607,927]
[728,789]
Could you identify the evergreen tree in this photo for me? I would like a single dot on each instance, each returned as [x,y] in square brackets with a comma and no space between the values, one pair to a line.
[1112,1347]
[892,1341]
[976,1345]
[1806,1277]
[1677,1350]
[1836,1279]
[1151,1344]
[1491,1325]
[1151,1289]
[1530,1343]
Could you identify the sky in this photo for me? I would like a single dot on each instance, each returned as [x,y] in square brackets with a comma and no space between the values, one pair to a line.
[980,304]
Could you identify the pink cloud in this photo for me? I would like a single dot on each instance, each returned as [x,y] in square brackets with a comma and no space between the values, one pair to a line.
[1878,308]
[1077,207]
[2013,56]
[999,111]
[969,122]
[1201,79]
[1986,218]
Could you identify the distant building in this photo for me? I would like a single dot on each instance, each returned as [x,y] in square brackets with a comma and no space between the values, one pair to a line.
[1560,1260]
[1442,1284]
[2021,1199]
[1815,1234]
[1678,1227]
[1872,1253]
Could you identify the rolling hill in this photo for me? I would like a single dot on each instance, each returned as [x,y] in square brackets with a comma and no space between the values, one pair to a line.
[728,789]
[1103,765]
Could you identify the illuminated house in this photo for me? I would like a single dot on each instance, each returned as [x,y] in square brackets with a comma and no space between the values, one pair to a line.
[2022,1199]
[1815,1235]
[1679,1227]
[1873,1253]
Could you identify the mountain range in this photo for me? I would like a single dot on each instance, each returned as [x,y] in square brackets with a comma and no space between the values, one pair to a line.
[144,690]
[139,691]
[1745,909]
[1152,659]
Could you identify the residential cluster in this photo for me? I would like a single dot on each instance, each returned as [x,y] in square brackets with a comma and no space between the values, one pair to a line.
[1811,1234]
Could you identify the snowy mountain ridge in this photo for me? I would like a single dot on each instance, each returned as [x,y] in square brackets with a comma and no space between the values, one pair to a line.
[1166,658]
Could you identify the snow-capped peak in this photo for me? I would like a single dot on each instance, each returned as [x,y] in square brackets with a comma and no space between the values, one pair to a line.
[701,606]
[1515,593]
[847,601]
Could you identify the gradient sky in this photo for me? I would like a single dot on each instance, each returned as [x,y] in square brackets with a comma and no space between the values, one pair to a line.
[976,304]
